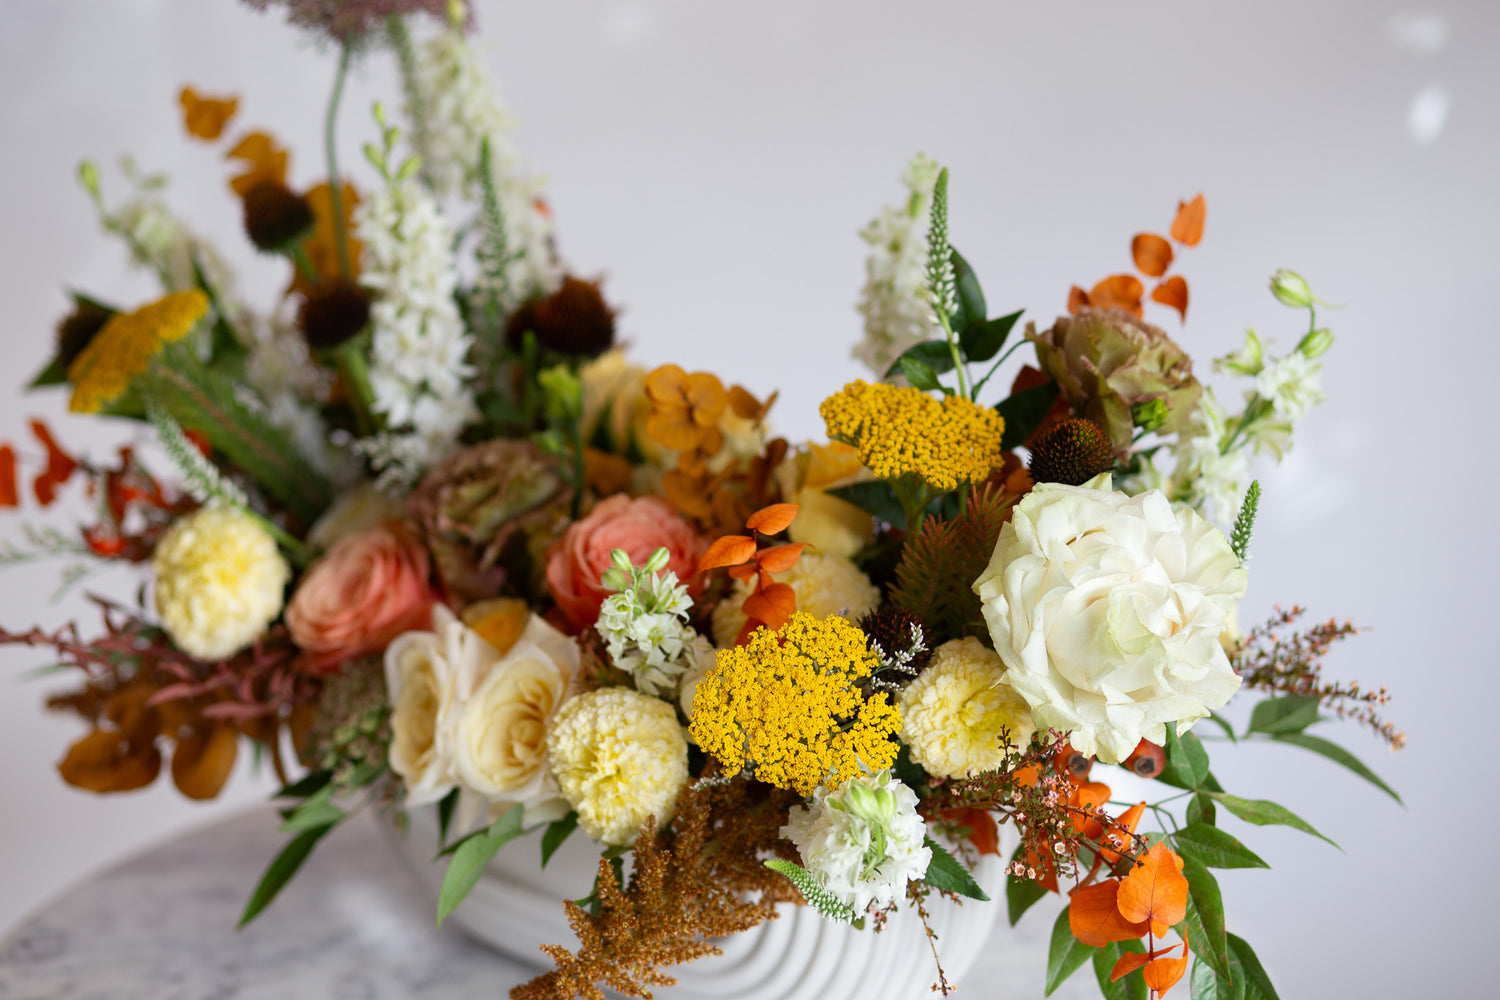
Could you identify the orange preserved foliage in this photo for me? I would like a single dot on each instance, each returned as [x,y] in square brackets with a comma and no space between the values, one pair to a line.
[1187,227]
[205,117]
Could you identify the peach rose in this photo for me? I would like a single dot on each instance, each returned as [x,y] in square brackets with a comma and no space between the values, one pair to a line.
[361,594]
[640,527]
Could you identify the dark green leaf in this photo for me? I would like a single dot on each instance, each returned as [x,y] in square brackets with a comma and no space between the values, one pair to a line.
[971,307]
[306,786]
[470,858]
[1264,813]
[1066,955]
[1338,755]
[1213,847]
[1200,809]
[1288,714]
[1021,894]
[282,870]
[1131,987]
[1187,761]
[56,373]
[557,832]
[1206,904]
[948,873]
[446,806]
[1223,724]
[982,341]
[935,354]
[876,498]
[909,772]
[1257,984]
[1206,984]
[1024,412]
[920,374]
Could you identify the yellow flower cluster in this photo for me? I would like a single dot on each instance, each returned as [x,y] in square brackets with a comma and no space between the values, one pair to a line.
[124,347]
[901,429]
[786,705]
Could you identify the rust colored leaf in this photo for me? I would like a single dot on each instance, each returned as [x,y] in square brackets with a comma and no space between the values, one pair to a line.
[1118,291]
[60,466]
[984,834]
[1117,838]
[1155,891]
[205,117]
[1187,228]
[1172,292]
[104,761]
[8,495]
[1164,973]
[1153,255]
[1077,299]
[731,550]
[745,405]
[770,520]
[203,761]
[1128,963]
[773,605]
[781,558]
[1090,795]
[1094,916]
[744,571]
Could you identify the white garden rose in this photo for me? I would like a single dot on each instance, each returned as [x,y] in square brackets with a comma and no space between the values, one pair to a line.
[1108,611]
[419,684]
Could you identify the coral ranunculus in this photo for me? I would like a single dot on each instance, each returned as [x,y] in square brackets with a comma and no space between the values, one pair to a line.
[639,526]
[362,593]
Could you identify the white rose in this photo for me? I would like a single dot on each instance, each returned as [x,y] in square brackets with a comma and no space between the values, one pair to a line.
[1108,611]
[419,684]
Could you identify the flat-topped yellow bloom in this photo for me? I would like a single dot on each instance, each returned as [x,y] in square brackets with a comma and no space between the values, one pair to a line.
[901,429]
[124,347]
[786,706]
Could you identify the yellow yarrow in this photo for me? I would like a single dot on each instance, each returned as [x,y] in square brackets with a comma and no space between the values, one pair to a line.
[901,429]
[786,706]
[125,345]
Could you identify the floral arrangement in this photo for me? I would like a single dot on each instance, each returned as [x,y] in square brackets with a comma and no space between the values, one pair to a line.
[427,540]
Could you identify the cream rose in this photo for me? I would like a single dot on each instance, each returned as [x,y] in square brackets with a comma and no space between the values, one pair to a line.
[1108,611]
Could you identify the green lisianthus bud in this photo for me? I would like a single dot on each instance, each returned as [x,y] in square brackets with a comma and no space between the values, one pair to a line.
[1150,415]
[88,176]
[1290,288]
[562,390]
[1315,344]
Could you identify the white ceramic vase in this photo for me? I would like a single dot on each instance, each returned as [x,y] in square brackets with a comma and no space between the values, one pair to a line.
[518,906]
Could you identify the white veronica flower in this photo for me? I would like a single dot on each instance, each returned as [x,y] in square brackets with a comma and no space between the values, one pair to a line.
[893,301]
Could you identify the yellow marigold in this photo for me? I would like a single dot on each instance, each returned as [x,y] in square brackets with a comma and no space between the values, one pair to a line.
[787,705]
[124,347]
[953,715]
[901,429]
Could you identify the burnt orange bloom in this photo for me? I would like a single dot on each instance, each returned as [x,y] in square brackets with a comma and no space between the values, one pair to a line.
[685,409]
[321,245]
[205,117]
[264,160]
[60,466]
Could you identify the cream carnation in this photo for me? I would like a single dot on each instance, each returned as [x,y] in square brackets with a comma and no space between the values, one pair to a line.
[954,714]
[620,758]
[219,582]
[1108,610]
[824,584]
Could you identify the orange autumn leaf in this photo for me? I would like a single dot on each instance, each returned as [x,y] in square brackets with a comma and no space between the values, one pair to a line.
[8,495]
[1128,963]
[1172,292]
[1187,228]
[264,160]
[731,550]
[744,571]
[770,520]
[1118,291]
[773,605]
[60,466]
[1077,299]
[1089,796]
[1094,916]
[1164,973]
[745,406]
[103,761]
[1117,839]
[205,117]
[781,558]
[1155,891]
[984,834]
[203,760]
[1153,255]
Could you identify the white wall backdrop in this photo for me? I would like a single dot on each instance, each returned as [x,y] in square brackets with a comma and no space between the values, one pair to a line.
[714,161]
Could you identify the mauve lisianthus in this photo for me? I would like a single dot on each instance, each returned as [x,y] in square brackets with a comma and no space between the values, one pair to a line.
[357,597]
[577,563]
[1108,611]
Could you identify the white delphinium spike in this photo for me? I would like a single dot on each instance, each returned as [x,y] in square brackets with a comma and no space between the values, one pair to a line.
[893,303]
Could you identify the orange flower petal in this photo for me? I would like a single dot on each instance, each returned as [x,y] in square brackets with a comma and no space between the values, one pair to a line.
[205,117]
[731,550]
[321,246]
[772,519]
[265,160]
[1094,917]
[984,834]
[1155,891]
[673,427]
[1172,292]
[1153,255]
[1187,228]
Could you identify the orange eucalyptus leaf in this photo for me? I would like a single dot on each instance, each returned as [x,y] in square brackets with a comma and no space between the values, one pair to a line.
[770,520]
[1118,291]
[1164,973]
[773,605]
[104,761]
[1128,963]
[203,760]
[731,550]
[1117,838]
[1172,292]
[781,558]
[744,571]
[1153,255]
[1077,299]
[8,495]
[1155,891]
[1094,916]
[60,466]
[1187,228]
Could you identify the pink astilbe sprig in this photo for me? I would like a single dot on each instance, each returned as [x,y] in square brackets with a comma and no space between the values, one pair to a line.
[349,21]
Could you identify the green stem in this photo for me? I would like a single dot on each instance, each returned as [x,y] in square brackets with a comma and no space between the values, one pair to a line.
[304,266]
[296,550]
[958,361]
[335,186]
[354,369]
[998,362]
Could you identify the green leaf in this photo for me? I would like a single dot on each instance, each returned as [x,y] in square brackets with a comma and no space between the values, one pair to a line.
[1206,904]
[1187,761]
[446,806]
[982,341]
[1200,809]
[1289,714]
[1021,894]
[306,786]
[935,354]
[971,307]
[557,831]
[56,373]
[920,374]
[875,498]
[1264,813]
[1206,984]
[471,857]
[1223,724]
[282,870]
[318,810]
[1338,755]
[948,873]
[1066,955]
[1257,984]
[1024,412]
[1213,847]
[1131,987]
[813,891]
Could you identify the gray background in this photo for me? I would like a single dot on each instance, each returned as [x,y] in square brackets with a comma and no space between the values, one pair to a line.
[714,161]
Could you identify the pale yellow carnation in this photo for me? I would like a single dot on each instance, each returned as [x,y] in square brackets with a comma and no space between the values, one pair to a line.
[824,584]
[954,714]
[620,758]
[219,582]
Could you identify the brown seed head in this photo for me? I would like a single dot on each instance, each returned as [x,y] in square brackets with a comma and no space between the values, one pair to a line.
[1073,452]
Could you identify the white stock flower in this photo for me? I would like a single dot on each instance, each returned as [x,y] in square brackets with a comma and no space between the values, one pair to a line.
[1291,385]
[1108,611]
[893,301]
[864,842]
[644,624]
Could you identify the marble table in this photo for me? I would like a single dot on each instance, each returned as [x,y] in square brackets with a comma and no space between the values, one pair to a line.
[354,925]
